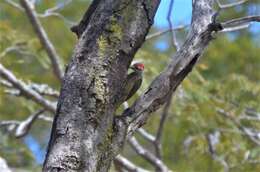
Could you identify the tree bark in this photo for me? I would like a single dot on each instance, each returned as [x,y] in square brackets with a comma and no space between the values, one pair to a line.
[83,135]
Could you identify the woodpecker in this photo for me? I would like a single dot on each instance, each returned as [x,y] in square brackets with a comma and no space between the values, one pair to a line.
[134,80]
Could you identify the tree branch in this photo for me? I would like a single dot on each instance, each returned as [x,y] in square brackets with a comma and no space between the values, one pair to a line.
[229,5]
[253,137]
[235,28]
[22,127]
[128,165]
[25,90]
[42,35]
[159,133]
[153,35]
[213,140]
[58,7]
[149,137]
[42,89]
[174,39]
[147,155]
[53,12]
[4,166]
[182,63]
[14,4]
[240,22]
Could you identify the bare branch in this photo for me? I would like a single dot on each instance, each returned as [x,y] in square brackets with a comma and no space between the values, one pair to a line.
[213,140]
[235,28]
[239,22]
[10,125]
[147,155]
[42,89]
[24,126]
[25,90]
[250,118]
[187,142]
[157,94]
[58,7]
[67,21]
[53,12]
[14,4]
[42,35]
[21,127]
[229,5]
[157,141]
[3,166]
[128,165]
[174,39]
[8,50]
[45,118]
[248,132]
[5,83]
[149,137]
[153,35]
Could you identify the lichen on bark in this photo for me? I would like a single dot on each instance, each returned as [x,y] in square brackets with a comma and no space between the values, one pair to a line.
[109,36]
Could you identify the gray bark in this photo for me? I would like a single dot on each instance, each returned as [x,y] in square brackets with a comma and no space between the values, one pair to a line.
[83,135]
[86,134]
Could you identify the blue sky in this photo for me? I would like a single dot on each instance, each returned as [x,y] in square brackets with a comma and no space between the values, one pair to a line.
[35,148]
[181,13]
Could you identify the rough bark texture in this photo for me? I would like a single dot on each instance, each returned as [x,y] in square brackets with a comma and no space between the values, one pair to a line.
[202,26]
[83,133]
[86,134]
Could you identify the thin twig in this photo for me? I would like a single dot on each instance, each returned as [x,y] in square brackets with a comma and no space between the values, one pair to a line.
[45,118]
[67,21]
[5,83]
[174,39]
[146,154]
[58,7]
[21,127]
[4,166]
[42,35]
[153,35]
[8,50]
[14,4]
[24,126]
[128,165]
[149,137]
[213,140]
[236,28]
[53,12]
[25,90]
[252,136]
[42,89]
[229,5]
[240,22]
[157,142]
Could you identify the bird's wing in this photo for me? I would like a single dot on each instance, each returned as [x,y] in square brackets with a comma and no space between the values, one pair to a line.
[134,88]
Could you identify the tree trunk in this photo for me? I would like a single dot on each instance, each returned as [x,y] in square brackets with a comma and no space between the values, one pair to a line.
[83,134]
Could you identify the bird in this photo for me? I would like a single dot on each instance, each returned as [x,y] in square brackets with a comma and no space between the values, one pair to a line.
[134,80]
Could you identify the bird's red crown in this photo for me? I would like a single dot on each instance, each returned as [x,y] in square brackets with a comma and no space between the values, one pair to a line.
[139,66]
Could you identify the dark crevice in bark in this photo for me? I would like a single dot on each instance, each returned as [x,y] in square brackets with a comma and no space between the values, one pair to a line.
[79,29]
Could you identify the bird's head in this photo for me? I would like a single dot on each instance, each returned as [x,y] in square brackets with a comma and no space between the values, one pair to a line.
[137,67]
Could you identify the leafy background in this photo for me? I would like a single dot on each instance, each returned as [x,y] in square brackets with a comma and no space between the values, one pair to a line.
[227,77]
